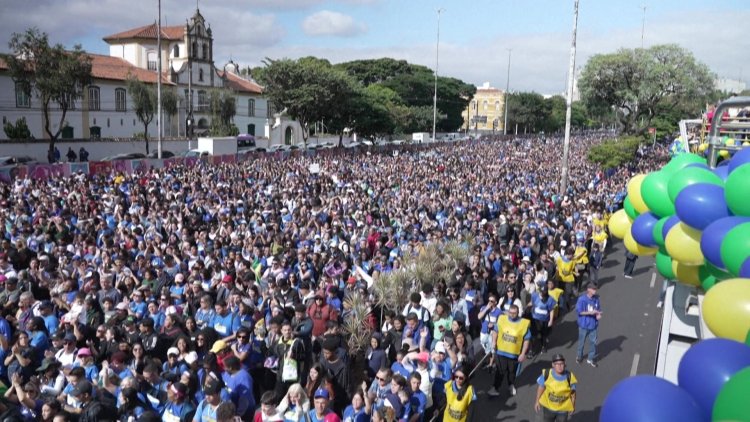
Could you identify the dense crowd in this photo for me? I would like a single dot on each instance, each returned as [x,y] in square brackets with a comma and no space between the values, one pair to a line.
[213,293]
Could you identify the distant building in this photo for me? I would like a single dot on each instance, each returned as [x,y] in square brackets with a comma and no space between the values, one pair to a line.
[486,111]
[730,86]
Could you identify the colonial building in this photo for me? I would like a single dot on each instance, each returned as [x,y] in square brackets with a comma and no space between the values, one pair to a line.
[486,110]
[187,54]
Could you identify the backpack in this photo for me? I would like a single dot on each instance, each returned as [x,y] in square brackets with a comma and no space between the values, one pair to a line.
[547,373]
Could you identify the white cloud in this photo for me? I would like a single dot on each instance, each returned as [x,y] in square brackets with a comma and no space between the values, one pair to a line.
[326,22]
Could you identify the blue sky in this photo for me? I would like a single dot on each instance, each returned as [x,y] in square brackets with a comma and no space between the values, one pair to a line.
[474,35]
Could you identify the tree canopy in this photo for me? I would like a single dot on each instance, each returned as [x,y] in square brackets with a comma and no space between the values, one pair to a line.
[51,73]
[145,103]
[645,83]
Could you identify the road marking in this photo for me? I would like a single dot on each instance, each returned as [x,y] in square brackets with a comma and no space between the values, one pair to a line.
[634,367]
[653,280]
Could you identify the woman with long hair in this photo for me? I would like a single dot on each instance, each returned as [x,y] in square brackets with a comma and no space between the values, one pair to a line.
[295,404]
[317,378]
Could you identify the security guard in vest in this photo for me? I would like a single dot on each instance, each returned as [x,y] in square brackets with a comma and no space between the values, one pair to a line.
[556,392]
[511,339]
[459,395]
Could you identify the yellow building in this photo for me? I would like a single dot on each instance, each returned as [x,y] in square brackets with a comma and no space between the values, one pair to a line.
[486,111]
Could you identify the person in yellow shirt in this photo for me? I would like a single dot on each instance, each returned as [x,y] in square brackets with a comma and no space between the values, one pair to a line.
[566,274]
[459,395]
[555,293]
[599,237]
[556,392]
[581,258]
[511,339]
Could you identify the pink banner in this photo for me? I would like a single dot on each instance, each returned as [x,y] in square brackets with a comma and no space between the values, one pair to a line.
[100,168]
[46,171]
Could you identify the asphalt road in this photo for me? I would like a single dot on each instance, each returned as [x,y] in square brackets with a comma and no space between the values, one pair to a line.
[628,338]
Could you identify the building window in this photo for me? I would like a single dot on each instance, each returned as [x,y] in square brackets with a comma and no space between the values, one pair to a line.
[107,121]
[23,100]
[200,75]
[122,122]
[474,105]
[94,103]
[194,49]
[270,110]
[205,51]
[151,58]
[497,105]
[485,104]
[121,102]
[70,102]
[251,107]
[176,51]
[202,101]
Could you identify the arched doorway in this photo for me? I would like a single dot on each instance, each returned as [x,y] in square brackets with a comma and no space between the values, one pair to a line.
[289,136]
[251,129]
[202,124]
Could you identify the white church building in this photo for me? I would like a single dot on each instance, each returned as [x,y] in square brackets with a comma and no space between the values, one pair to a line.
[187,53]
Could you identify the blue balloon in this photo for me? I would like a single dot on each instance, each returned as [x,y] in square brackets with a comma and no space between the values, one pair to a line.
[701,204]
[643,229]
[707,366]
[745,269]
[722,172]
[741,157]
[714,234]
[671,222]
[646,398]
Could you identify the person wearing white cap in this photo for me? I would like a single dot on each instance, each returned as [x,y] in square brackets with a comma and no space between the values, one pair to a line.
[174,365]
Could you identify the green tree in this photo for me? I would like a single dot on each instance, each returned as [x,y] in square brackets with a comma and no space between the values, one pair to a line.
[19,130]
[615,152]
[223,107]
[144,104]
[528,111]
[52,74]
[641,83]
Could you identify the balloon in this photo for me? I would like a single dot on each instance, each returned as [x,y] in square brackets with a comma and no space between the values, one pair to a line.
[731,403]
[619,224]
[724,154]
[714,234]
[657,232]
[741,157]
[735,248]
[709,275]
[737,190]
[627,205]
[707,366]
[655,194]
[634,192]
[701,204]
[729,142]
[643,229]
[664,265]
[690,176]
[684,244]
[745,269]
[681,161]
[703,147]
[636,248]
[688,274]
[646,398]
[671,222]
[726,309]
[722,172]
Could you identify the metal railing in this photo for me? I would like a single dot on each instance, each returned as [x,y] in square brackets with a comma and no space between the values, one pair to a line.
[718,123]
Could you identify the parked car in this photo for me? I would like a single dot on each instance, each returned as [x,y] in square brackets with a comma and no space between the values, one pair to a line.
[125,156]
[164,154]
[354,144]
[16,160]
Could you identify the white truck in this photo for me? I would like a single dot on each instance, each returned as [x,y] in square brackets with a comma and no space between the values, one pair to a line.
[217,146]
[421,137]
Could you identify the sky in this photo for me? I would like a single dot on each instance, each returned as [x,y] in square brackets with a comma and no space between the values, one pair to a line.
[474,35]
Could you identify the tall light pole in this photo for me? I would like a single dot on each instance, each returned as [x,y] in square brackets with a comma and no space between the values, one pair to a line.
[643,26]
[569,103]
[159,122]
[507,92]
[437,62]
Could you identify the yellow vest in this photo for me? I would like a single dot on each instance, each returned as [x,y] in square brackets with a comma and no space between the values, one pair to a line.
[599,237]
[556,395]
[456,410]
[510,334]
[565,270]
[555,294]
[584,259]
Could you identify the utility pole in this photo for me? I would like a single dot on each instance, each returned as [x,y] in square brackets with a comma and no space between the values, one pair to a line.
[159,122]
[507,93]
[437,62]
[569,103]
[643,26]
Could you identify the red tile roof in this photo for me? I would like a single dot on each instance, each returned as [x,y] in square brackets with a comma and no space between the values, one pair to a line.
[117,69]
[169,33]
[240,84]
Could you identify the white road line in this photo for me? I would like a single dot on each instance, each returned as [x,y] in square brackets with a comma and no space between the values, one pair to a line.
[634,367]
[653,280]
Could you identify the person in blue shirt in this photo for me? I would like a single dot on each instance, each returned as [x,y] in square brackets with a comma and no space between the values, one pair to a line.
[589,312]
[206,411]
[174,365]
[239,384]
[46,310]
[224,322]
[417,399]
[542,318]
[38,339]
[488,315]
[157,315]
[137,307]
[178,407]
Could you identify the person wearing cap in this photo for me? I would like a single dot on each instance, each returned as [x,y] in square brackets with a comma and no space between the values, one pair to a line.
[46,309]
[320,312]
[91,408]
[51,379]
[542,318]
[459,395]
[556,392]
[206,411]
[86,360]
[173,365]
[321,412]
[68,353]
[589,311]
[511,339]
[178,407]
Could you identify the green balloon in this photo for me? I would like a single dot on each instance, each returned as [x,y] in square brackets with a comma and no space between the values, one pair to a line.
[681,161]
[707,279]
[690,176]
[731,403]
[735,248]
[658,237]
[630,209]
[747,339]
[664,265]
[717,272]
[737,190]
[655,194]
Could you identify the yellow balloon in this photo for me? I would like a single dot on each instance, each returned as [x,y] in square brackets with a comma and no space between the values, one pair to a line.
[684,244]
[687,274]
[729,142]
[724,154]
[703,147]
[634,193]
[636,248]
[619,224]
[726,309]
[746,144]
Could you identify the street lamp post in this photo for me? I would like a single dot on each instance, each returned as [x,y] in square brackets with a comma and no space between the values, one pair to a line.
[437,62]
[507,92]
[569,103]
[159,123]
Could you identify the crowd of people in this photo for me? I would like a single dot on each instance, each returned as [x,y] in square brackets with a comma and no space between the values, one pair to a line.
[219,292]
